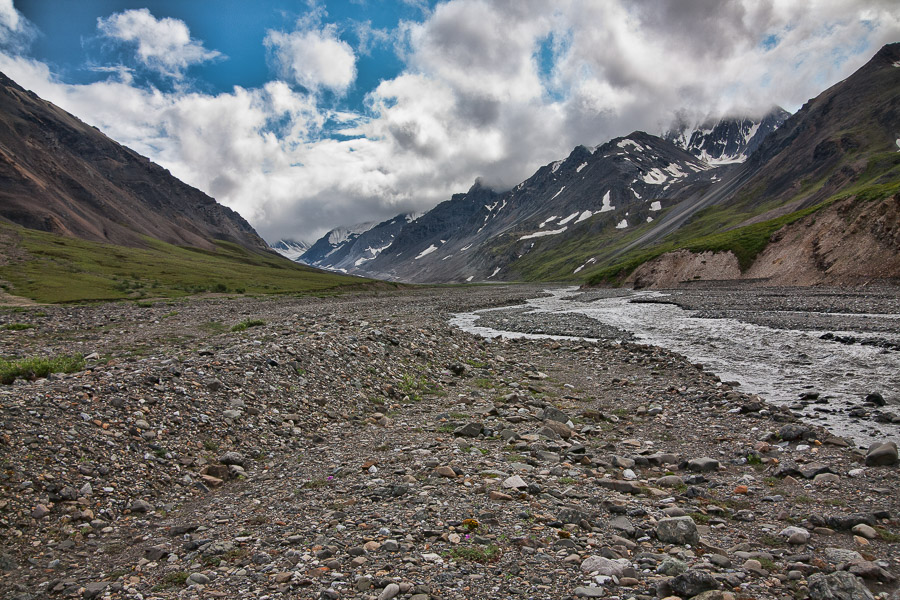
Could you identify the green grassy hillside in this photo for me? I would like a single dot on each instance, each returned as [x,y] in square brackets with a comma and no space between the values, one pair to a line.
[50,269]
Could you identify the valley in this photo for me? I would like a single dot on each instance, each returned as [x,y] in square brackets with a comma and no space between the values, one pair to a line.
[359,446]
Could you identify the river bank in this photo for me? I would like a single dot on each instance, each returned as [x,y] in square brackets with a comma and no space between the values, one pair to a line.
[361,447]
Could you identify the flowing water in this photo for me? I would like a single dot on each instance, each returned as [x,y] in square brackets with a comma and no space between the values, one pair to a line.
[777,364]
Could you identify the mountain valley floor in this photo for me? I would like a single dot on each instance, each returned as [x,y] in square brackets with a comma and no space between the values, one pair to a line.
[358,446]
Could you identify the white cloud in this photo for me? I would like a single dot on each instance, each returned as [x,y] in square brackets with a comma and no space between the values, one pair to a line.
[491,89]
[9,16]
[315,58]
[164,45]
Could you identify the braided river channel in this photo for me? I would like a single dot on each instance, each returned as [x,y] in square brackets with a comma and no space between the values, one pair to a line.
[779,353]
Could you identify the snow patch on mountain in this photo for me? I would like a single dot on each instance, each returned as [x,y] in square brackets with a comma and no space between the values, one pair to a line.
[622,224]
[538,234]
[655,177]
[655,206]
[569,218]
[426,252]
[584,216]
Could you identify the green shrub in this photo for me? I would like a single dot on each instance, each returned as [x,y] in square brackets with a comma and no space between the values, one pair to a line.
[243,325]
[37,367]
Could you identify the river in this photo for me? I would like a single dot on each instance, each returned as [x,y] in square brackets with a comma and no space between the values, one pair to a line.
[778,364]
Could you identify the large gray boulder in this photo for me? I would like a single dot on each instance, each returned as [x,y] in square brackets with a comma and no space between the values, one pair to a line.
[839,585]
[882,454]
[677,530]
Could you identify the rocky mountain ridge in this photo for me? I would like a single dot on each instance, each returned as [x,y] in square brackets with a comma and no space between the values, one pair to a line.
[602,211]
[60,175]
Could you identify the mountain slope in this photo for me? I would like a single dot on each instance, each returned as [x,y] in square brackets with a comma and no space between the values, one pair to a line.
[837,151]
[60,175]
[481,234]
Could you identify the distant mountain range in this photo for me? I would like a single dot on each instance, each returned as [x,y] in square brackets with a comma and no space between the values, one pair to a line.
[60,175]
[722,185]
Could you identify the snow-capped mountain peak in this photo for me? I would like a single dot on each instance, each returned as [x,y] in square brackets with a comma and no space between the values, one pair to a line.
[290,249]
[725,140]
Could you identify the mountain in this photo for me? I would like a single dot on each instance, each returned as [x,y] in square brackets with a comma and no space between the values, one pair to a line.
[818,202]
[347,249]
[290,249]
[728,187]
[481,234]
[60,175]
[725,140]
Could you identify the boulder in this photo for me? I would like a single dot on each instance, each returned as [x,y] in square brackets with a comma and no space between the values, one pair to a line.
[839,585]
[882,454]
[677,530]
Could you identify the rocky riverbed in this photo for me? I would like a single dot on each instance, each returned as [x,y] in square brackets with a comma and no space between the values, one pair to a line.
[361,447]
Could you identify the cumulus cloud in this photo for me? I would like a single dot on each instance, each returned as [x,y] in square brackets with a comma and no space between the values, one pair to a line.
[491,89]
[164,45]
[315,58]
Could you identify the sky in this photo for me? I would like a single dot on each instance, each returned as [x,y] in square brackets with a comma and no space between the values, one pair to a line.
[306,115]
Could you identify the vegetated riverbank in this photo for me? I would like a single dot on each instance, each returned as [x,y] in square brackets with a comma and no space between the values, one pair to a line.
[360,447]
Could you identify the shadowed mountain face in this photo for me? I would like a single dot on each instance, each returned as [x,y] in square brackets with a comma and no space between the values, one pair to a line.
[60,175]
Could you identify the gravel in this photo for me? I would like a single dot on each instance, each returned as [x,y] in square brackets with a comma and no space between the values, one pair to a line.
[360,447]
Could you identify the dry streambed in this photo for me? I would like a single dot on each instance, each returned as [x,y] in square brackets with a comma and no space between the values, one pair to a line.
[362,448]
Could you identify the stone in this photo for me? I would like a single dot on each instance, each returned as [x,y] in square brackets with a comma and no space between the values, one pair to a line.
[233,458]
[693,582]
[391,590]
[94,589]
[677,530]
[551,413]
[514,483]
[703,465]
[714,595]
[793,431]
[871,570]
[140,506]
[795,535]
[445,471]
[609,567]
[670,481]
[572,515]
[560,429]
[812,469]
[589,592]
[882,454]
[472,429]
[40,511]
[875,398]
[671,567]
[841,555]
[839,585]
[197,579]
[865,531]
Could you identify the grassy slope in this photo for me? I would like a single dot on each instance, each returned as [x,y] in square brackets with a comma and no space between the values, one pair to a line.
[50,268]
[713,229]
[880,180]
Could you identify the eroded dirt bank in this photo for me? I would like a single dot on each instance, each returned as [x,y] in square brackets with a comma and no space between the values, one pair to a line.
[360,447]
